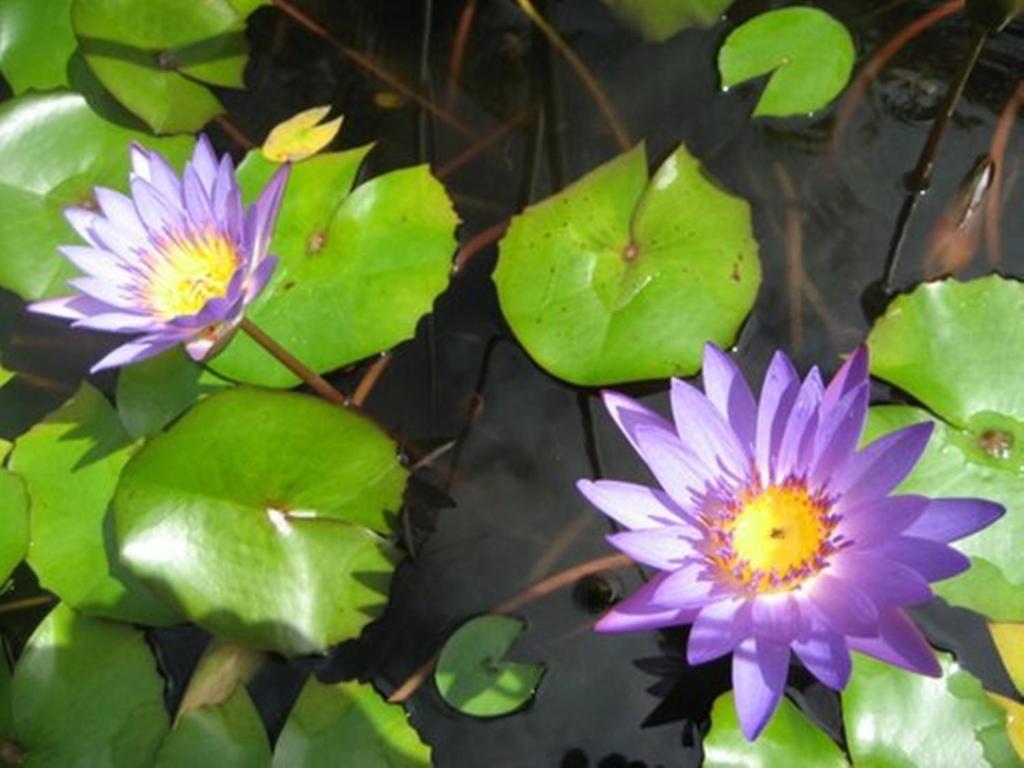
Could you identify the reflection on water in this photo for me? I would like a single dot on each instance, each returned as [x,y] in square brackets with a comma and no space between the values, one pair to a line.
[824,213]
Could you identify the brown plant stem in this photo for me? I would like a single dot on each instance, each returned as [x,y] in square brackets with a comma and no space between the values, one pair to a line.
[313,380]
[235,133]
[532,593]
[1001,137]
[370,378]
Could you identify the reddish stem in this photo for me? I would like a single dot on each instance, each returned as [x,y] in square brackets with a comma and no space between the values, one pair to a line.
[1000,139]
[477,243]
[459,48]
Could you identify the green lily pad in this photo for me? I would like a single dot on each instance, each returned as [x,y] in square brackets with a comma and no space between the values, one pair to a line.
[357,269]
[253,515]
[157,57]
[955,466]
[245,8]
[87,692]
[70,463]
[151,394]
[36,43]
[790,739]
[956,348]
[808,54]
[13,522]
[222,735]
[616,279]
[658,20]
[54,149]
[348,723]
[472,675]
[899,719]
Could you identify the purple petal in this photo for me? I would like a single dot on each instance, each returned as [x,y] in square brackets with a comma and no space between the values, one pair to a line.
[663,548]
[706,432]
[947,520]
[717,629]
[688,587]
[932,559]
[95,262]
[204,161]
[841,606]
[637,612]
[118,322]
[882,579]
[120,210]
[778,393]
[197,204]
[629,415]
[164,180]
[851,375]
[636,507]
[676,469]
[798,438]
[140,161]
[157,212]
[119,242]
[776,617]
[826,655]
[115,294]
[73,307]
[877,520]
[259,276]
[759,670]
[900,643]
[264,212]
[728,391]
[874,471]
[226,200]
[839,433]
[135,351]
[81,220]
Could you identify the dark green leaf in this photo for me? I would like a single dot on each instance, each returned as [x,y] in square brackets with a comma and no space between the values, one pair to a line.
[13,522]
[36,43]
[790,739]
[357,270]
[248,514]
[70,463]
[54,149]
[222,735]
[616,279]
[347,724]
[658,20]
[472,675]
[155,57]
[86,692]
[807,53]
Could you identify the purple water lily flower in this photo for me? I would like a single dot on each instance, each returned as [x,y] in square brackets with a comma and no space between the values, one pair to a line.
[772,533]
[176,262]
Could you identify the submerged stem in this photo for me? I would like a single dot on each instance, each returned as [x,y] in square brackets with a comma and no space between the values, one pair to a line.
[315,381]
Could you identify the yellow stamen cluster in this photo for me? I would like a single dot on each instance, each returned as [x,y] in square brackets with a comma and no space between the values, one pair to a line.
[188,270]
[771,540]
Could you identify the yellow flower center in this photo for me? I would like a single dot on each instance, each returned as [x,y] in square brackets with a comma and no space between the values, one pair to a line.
[189,270]
[773,539]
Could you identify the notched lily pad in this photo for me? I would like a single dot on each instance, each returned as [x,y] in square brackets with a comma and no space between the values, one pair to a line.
[157,58]
[472,674]
[658,20]
[36,42]
[347,723]
[901,719]
[808,54]
[255,514]
[957,348]
[54,149]
[70,463]
[790,739]
[357,269]
[619,278]
[87,692]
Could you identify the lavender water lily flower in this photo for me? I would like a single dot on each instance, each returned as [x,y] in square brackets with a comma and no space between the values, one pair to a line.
[176,262]
[772,534]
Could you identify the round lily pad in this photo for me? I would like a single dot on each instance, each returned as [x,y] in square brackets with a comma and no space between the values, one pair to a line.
[808,54]
[900,719]
[36,43]
[347,723]
[619,279]
[472,675]
[54,149]
[157,57]
[253,514]
[229,734]
[957,348]
[87,692]
[357,269]
[13,522]
[790,739]
[658,20]
[70,463]
[151,394]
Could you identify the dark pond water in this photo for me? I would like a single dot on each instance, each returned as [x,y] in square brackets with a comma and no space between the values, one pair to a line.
[496,510]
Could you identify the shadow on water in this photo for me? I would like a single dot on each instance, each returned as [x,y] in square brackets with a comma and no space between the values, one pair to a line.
[498,510]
